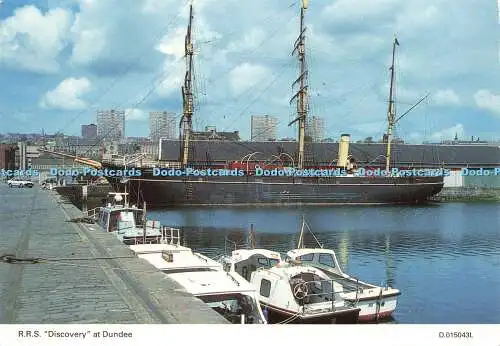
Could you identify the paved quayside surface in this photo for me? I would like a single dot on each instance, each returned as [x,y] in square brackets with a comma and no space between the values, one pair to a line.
[33,223]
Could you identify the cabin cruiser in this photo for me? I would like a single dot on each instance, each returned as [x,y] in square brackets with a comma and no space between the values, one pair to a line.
[290,292]
[227,293]
[376,303]
[128,223]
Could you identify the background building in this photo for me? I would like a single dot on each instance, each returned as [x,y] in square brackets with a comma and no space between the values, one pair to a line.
[315,128]
[162,125]
[263,128]
[8,156]
[89,131]
[211,133]
[111,124]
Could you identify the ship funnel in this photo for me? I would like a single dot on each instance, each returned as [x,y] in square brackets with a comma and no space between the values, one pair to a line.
[305,4]
[343,151]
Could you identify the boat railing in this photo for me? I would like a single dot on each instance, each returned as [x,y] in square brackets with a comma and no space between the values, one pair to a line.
[230,245]
[93,213]
[149,240]
[152,224]
[303,290]
[233,278]
[203,258]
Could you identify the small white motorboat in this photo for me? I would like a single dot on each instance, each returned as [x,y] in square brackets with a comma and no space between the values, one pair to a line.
[290,292]
[376,302]
[227,293]
[128,223]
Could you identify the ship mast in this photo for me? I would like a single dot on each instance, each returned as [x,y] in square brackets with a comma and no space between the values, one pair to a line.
[391,113]
[301,95]
[187,92]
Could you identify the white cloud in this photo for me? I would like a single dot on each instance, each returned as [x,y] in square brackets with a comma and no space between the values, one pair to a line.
[251,40]
[67,95]
[110,35]
[243,64]
[485,99]
[32,40]
[173,43]
[246,75]
[171,80]
[359,9]
[446,97]
[88,43]
[135,114]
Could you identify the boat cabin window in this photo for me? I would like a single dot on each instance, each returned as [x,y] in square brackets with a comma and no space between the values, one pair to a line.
[124,219]
[232,306]
[306,258]
[273,262]
[267,262]
[265,288]
[327,260]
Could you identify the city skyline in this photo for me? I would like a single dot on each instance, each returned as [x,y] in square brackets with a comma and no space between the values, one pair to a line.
[263,128]
[111,124]
[58,77]
[162,124]
[315,128]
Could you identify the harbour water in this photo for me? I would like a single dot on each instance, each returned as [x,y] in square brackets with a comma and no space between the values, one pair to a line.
[445,258]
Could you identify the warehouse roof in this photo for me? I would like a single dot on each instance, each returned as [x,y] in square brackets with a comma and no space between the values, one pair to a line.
[419,154]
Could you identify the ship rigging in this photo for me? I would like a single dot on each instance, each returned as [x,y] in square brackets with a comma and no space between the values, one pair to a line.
[249,189]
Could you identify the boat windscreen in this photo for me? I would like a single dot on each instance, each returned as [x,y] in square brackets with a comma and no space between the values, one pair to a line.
[267,262]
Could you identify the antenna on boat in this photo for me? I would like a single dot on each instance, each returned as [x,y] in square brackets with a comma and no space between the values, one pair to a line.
[144,222]
[391,112]
[301,95]
[251,238]
[300,242]
[125,203]
[187,93]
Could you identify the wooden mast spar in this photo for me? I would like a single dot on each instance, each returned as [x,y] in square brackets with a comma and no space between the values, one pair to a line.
[391,113]
[187,91]
[301,95]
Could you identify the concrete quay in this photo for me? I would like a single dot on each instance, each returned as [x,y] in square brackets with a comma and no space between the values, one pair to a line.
[72,286]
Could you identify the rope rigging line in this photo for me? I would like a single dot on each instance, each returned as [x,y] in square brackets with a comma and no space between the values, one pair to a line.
[159,81]
[276,76]
[174,21]
[164,75]
[221,76]
[150,91]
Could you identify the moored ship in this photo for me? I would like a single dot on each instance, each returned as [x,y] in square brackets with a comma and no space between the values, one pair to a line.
[242,182]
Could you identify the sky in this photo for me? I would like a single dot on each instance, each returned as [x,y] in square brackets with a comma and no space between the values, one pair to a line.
[62,60]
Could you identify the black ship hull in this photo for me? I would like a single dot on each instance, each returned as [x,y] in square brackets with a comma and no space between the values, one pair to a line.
[160,192]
